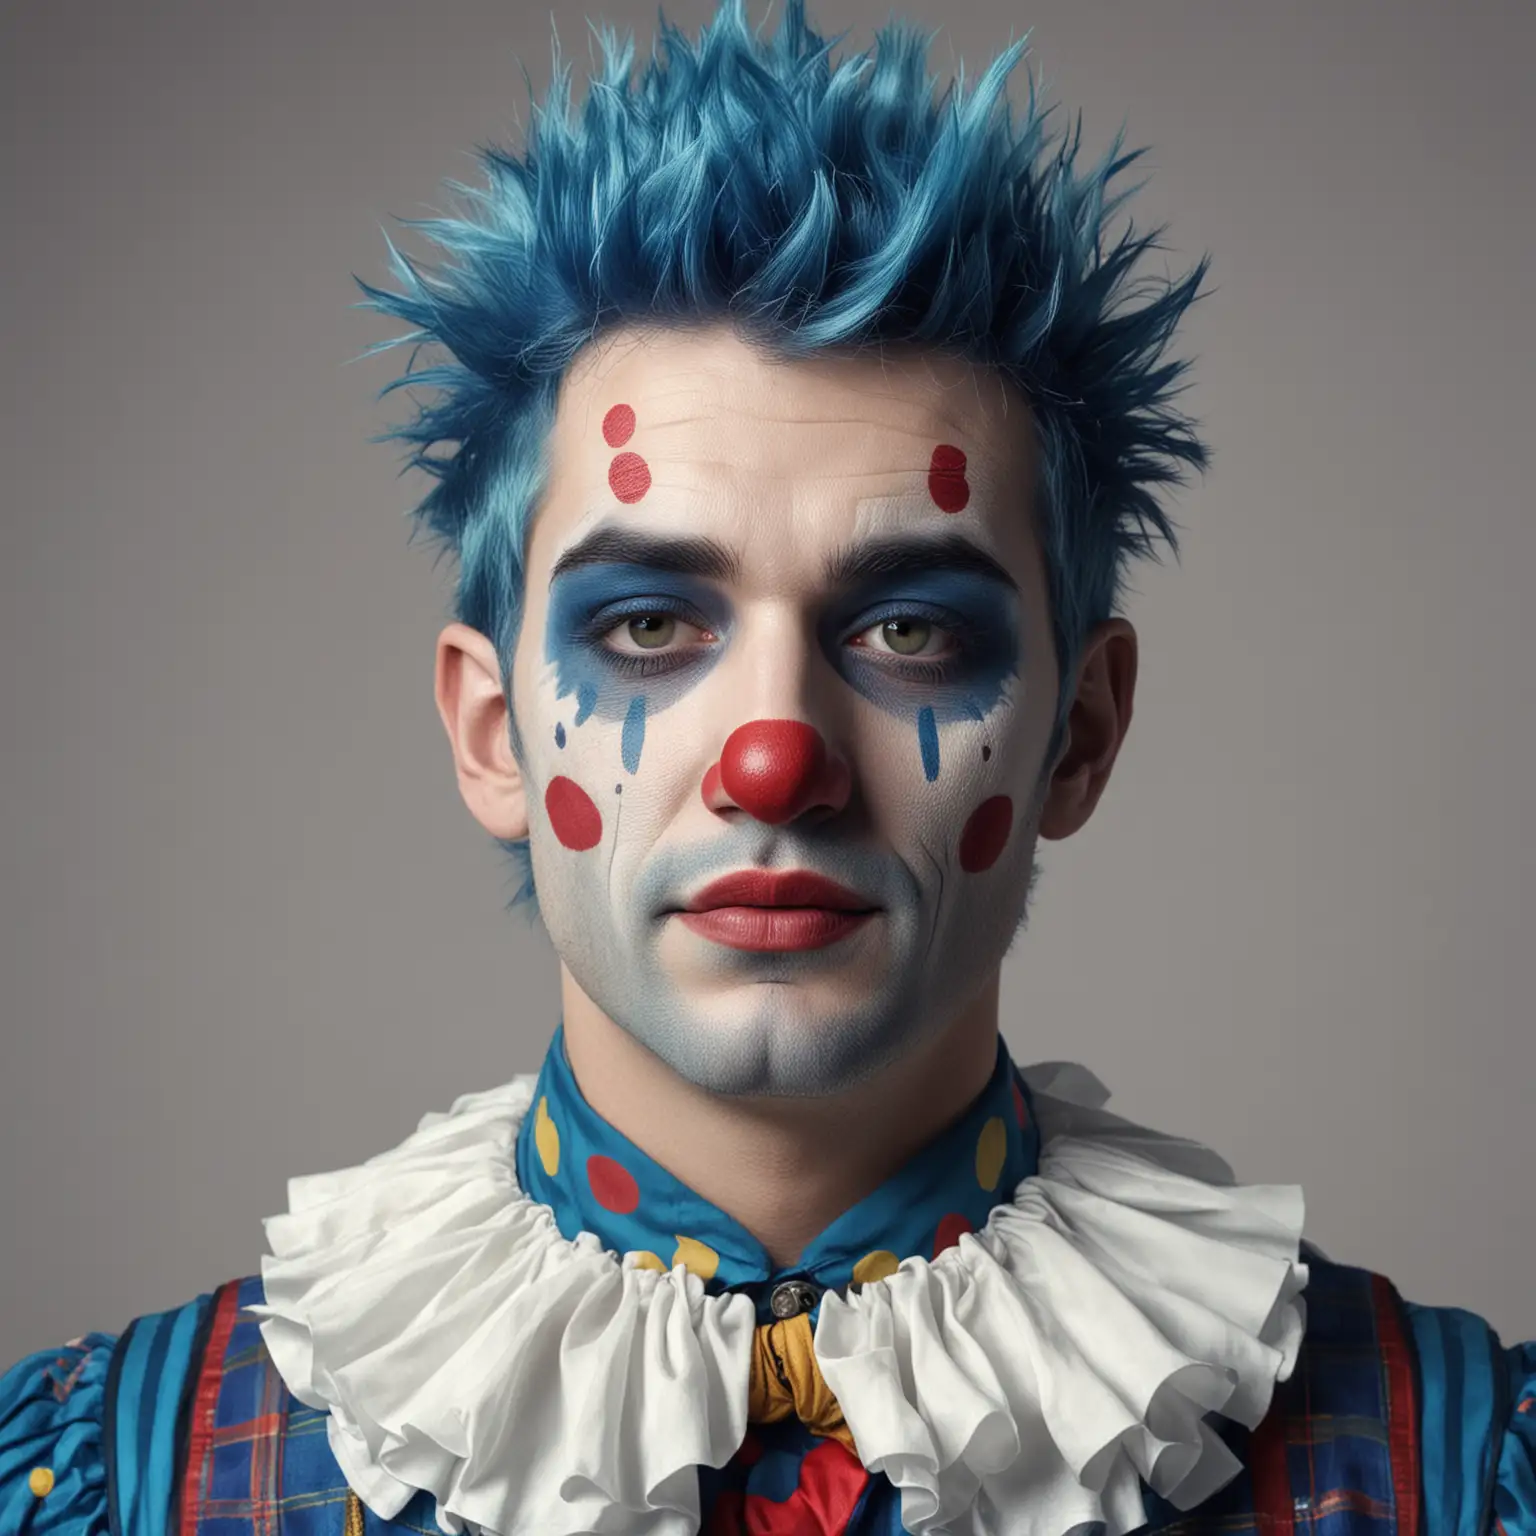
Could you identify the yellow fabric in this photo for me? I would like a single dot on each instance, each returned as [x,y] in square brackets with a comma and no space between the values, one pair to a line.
[696,1257]
[786,1380]
[878,1265]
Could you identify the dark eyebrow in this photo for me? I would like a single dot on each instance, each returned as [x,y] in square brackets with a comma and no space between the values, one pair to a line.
[657,552]
[914,555]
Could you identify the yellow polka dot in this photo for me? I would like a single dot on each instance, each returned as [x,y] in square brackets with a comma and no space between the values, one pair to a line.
[547,1139]
[41,1481]
[876,1266]
[643,1258]
[700,1258]
[991,1152]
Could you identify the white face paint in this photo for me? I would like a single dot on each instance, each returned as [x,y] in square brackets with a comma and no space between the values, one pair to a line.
[842,544]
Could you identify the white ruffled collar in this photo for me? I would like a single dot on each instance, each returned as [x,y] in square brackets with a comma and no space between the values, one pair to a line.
[1028,1380]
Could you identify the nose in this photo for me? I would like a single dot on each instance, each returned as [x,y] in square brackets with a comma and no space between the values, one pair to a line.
[777,771]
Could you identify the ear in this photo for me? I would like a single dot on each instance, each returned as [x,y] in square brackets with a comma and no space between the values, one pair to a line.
[467,685]
[1096,727]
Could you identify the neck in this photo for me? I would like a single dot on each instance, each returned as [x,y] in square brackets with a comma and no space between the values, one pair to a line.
[784,1168]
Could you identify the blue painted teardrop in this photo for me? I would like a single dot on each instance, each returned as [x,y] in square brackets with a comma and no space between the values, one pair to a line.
[632,738]
[928,743]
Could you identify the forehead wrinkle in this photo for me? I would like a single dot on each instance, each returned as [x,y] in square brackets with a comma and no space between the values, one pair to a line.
[818,462]
[793,478]
[703,385]
[932,397]
[941,427]
[719,411]
[667,362]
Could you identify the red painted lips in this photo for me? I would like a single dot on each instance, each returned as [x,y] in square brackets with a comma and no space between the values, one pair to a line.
[764,910]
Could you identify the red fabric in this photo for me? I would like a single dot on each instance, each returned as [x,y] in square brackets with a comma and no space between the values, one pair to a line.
[1402,1407]
[205,1402]
[1272,1507]
[832,1479]
[266,1454]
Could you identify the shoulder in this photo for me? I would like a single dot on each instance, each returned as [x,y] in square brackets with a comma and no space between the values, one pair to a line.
[1342,1430]
[1478,1422]
[1455,1404]
[52,1474]
[93,1435]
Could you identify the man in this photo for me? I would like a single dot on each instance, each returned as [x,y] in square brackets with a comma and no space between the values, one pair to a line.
[793,439]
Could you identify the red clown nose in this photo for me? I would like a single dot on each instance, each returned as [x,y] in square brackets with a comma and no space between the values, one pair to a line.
[775,770]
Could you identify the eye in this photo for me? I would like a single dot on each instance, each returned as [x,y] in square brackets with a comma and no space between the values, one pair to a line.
[906,636]
[648,633]
[652,631]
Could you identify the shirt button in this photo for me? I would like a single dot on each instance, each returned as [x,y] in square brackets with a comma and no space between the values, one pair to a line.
[792,1297]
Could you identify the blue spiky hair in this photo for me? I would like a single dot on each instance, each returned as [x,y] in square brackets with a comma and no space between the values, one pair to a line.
[817,207]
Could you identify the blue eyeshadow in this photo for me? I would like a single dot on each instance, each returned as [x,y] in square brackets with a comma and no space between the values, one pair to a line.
[587,603]
[980,614]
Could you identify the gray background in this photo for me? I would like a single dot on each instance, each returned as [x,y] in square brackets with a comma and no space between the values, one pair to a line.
[248,930]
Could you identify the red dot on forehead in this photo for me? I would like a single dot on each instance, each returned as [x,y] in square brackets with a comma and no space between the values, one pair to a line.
[986,834]
[946,478]
[629,476]
[619,425]
[573,814]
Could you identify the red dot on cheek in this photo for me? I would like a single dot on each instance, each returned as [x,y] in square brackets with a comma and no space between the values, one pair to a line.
[573,815]
[986,834]
[619,425]
[629,476]
[946,478]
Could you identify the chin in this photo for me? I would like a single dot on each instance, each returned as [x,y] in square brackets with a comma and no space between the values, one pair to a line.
[778,1039]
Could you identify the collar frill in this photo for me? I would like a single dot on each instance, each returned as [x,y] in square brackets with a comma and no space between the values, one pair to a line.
[1025,1382]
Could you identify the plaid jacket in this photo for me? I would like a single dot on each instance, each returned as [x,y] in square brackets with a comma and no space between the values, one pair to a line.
[203,1439]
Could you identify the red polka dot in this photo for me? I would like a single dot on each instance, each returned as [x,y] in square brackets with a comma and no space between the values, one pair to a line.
[986,834]
[1020,1112]
[573,815]
[946,479]
[710,788]
[613,1185]
[619,425]
[949,1232]
[629,476]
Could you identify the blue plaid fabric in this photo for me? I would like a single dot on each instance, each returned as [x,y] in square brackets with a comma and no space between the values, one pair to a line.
[1338,1453]
[266,1466]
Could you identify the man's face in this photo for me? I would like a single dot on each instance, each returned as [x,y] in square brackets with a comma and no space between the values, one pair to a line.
[783,619]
